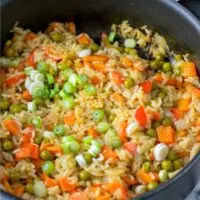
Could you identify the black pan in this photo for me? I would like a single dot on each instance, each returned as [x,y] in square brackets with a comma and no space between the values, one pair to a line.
[167,17]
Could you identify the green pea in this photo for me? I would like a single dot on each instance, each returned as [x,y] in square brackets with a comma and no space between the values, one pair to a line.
[59,130]
[153,185]
[46,155]
[50,79]
[38,139]
[167,67]
[102,127]
[167,165]
[166,121]
[114,142]
[94,47]
[177,70]
[29,188]
[178,57]
[48,167]
[8,145]
[42,67]
[98,115]
[151,132]
[14,176]
[82,79]
[177,164]
[4,104]
[68,88]
[155,64]
[67,72]
[146,166]
[172,156]
[15,108]
[163,175]
[84,175]
[88,157]
[129,82]
[68,103]
[90,90]
[56,37]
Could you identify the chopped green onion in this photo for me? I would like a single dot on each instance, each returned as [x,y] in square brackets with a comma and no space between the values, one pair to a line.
[39,77]
[28,83]
[74,146]
[52,94]
[56,87]
[38,92]
[36,85]
[37,122]
[112,37]
[69,138]
[48,167]
[31,106]
[130,43]
[42,67]
[102,127]
[50,79]
[73,79]
[115,142]
[87,139]
[65,148]
[97,143]
[81,161]
[98,115]
[68,103]
[82,79]
[94,150]
[90,90]
[46,93]
[59,130]
[28,70]
[64,95]
[68,88]
[67,72]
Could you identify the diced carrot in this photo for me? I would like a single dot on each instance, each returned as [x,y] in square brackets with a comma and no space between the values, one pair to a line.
[116,185]
[194,90]
[38,163]
[92,132]
[101,67]
[30,60]
[151,156]
[156,116]
[65,185]
[138,65]
[34,151]
[95,80]
[18,190]
[122,131]
[26,138]
[130,180]
[188,69]
[182,153]
[131,147]
[198,138]
[181,133]
[8,165]
[54,149]
[171,82]
[126,62]
[104,197]
[177,113]
[141,116]
[49,182]
[96,58]
[146,177]
[43,146]
[146,86]
[183,104]
[21,66]
[26,95]
[22,153]
[166,134]
[179,84]
[87,64]
[12,126]
[30,36]
[108,153]
[53,54]
[70,119]
[198,121]
[105,41]
[117,78]
[14,80]
[118,97]
[5,177]
[52,26]
[71,27]
[158,78]
[83,38]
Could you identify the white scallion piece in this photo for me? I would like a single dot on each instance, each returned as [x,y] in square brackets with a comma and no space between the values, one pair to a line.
[84,52]
[160,151]
[81,161]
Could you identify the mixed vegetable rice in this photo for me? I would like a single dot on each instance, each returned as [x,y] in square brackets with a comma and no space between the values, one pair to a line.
[87,121]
